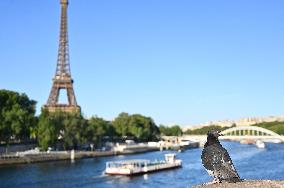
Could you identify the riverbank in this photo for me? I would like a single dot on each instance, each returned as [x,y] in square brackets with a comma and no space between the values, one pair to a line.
[246,184]
[63,155]
[34,156]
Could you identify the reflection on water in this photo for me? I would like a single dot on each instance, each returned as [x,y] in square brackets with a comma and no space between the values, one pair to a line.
[145,176]
[251,163]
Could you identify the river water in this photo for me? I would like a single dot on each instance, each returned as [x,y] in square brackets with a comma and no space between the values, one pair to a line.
[251,163]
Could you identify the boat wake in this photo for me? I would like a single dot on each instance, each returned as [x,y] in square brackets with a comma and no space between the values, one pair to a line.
[103,175]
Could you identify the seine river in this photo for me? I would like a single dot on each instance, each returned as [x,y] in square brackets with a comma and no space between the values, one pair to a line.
[251,163]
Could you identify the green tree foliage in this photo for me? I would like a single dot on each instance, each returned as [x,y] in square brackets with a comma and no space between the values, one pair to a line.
[17,116]
[69,128]
[98,128]
[204,130]
[141,127]
[74,126]
[48,131]
[121,124]
[276,126]
[170,131]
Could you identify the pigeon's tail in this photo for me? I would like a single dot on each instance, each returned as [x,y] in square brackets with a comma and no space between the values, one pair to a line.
[233,180]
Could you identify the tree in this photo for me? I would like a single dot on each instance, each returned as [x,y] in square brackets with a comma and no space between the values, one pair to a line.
[48,131]
[170,131]
[143,128]
[204,130]
[74,126]
[97,129]
[140,127]
[121,124]
[176,130]
[17,116]
[65,126]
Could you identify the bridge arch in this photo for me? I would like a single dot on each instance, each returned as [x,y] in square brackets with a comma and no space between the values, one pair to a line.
[249,130]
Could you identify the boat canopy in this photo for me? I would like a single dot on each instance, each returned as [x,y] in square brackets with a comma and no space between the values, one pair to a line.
[128,162]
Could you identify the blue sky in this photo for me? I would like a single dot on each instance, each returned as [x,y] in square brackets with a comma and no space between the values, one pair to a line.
[178,61]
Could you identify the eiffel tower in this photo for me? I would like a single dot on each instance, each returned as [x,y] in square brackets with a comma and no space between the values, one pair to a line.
[62,79]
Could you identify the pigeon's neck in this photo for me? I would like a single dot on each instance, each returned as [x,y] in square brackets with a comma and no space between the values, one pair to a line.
[211,141]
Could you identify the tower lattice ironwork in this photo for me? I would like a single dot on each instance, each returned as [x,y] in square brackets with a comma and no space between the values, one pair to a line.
[62,79]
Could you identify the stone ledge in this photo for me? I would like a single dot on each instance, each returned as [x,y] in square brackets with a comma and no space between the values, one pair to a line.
[246,184]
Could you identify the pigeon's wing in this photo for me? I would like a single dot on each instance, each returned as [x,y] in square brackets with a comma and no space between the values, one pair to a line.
[209,160]
[206,158]
[227,169]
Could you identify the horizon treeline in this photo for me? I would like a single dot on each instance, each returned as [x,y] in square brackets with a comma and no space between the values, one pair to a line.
[19,124]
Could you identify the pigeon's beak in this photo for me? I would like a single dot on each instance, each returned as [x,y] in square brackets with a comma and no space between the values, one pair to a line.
[219,132]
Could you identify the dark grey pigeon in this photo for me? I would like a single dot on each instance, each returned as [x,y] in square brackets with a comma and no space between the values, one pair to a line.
[217,161]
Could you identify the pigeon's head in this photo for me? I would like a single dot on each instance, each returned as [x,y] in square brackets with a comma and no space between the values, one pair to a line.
[214,133]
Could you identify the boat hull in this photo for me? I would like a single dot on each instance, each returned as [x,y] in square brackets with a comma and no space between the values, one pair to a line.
[136,171]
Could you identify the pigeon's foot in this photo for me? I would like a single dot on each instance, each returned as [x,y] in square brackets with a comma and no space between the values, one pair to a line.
[215,181]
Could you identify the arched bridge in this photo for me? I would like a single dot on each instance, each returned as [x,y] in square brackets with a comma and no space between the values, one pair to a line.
[241,133]
[251,132]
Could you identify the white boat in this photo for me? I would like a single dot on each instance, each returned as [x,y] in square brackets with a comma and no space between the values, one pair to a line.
[260,144]
[133,167]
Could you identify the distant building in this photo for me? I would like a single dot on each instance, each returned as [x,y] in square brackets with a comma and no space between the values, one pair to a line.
[240,122]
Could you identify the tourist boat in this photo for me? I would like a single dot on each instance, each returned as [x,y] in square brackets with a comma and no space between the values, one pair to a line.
[134,167]
[260,144]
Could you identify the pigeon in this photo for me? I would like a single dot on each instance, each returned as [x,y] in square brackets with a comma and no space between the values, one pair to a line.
[217,161]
